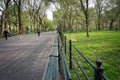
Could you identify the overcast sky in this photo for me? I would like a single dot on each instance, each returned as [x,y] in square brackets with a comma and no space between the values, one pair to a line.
[49,12]
[0,13]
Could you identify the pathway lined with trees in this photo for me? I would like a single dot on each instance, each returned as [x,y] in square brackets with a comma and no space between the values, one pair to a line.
[25,59]
[69,16]
[87,15]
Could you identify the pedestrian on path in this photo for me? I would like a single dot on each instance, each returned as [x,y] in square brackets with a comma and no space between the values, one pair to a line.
[38,32]
[27,30]
[20,32]
[5,34]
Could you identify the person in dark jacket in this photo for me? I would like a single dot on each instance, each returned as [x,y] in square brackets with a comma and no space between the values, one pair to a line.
[5,34]
[38,32]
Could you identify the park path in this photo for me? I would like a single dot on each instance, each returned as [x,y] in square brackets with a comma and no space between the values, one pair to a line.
[26,58]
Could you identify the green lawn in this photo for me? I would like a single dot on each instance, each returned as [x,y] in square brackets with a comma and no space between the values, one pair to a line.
[104,45]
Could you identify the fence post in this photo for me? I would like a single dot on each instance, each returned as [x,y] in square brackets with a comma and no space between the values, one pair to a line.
[98,70]
[65,44]
[70,52]
[58,51]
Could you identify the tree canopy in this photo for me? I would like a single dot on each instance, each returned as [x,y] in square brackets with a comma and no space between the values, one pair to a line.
[88,15]
[69,15]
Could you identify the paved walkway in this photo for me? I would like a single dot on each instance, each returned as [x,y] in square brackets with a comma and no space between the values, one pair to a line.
[26,58]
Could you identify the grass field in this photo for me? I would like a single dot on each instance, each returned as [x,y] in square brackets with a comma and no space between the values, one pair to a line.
[104,45]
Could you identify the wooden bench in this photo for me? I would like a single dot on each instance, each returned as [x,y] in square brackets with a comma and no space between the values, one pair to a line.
[52,69]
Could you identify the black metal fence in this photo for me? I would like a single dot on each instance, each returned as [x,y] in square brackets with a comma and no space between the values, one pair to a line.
[83,68]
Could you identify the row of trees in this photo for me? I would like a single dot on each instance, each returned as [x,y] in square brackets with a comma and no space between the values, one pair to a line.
[87,14]
[17,14]
[69,15]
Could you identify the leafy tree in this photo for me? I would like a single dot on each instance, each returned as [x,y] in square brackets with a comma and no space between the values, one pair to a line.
[84,8]
[115,12]
[99,6]
[49,25]
[36,10]
[5,4]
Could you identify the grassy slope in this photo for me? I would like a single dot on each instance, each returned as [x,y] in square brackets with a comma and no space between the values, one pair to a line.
[104,45]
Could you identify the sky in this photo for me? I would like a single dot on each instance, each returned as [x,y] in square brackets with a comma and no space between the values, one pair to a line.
[0,13]
[49,14]
[50,11]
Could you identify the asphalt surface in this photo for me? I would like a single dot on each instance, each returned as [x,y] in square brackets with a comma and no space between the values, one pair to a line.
[26,58]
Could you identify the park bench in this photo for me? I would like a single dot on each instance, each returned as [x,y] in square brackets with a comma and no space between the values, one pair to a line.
[52,70]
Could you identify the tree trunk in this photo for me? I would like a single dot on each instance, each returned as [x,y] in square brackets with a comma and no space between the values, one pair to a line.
[119,25]
[116,28]
[70,27]
[99,10]
[111,24]
[106,25]
[19,14]
[2,23]
[96,26]
[87,29]
[99,21]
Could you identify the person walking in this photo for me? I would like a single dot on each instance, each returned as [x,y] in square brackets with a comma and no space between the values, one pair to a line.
[20,32]
[27,30]
[38,32]
[5,34]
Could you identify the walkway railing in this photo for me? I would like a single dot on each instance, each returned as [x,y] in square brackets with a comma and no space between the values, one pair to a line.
[98,70]
[57,67]
[83,68]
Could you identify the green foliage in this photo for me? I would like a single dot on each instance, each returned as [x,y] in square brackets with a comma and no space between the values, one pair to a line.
[104,45]
[49,25]
[25,19]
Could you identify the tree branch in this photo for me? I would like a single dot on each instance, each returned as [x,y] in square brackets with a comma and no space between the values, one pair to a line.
[82,6]
[15,2]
